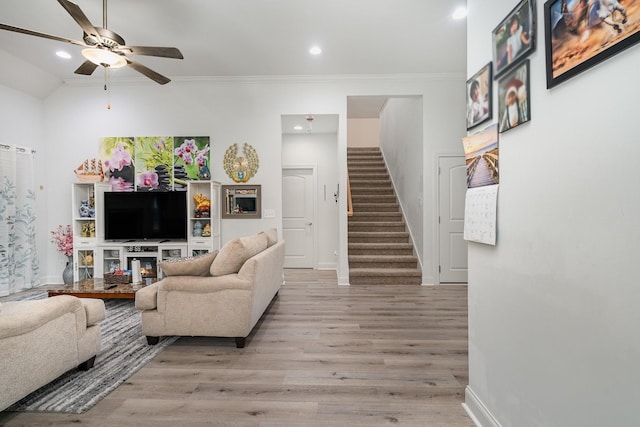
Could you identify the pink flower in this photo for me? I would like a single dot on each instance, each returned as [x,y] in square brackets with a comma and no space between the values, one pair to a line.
[201,158]
[148,179]
[189,145]
[62,237]
[119,158]
[179,152]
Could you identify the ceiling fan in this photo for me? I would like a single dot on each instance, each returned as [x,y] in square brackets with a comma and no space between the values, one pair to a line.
[104,47]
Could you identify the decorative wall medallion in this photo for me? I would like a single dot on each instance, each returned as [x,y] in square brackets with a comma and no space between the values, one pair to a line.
[241,168]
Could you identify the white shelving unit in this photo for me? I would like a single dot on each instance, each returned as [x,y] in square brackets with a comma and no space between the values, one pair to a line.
[199,244]
[93,256]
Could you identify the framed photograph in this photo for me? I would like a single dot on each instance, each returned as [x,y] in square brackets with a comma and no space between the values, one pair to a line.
[514,102]
[514,38]
[579,34]
[479,105]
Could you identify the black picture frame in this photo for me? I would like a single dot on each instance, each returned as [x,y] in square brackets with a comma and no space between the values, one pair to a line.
[593,39]
[523,39]
[480,97]
[514,86]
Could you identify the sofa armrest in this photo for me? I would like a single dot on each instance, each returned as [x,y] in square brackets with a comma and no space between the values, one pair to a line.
[95,310]
[147,297]
[21,317]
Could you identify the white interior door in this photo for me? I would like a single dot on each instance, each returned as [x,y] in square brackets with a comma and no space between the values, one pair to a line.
[452,187]
[298,216]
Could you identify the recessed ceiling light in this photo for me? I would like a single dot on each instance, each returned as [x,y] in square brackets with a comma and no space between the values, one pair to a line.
[63,54]
[460,13]
[298,127]
[315,50]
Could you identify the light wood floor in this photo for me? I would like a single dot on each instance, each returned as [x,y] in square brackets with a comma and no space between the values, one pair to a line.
[324,355]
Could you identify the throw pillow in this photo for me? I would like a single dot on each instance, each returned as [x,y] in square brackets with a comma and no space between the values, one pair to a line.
[235,252]
[192,266]
[272,236]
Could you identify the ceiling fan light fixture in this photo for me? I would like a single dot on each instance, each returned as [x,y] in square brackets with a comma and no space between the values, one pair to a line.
[104,57]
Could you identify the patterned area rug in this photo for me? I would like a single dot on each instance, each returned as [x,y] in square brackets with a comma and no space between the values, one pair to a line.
[123,352]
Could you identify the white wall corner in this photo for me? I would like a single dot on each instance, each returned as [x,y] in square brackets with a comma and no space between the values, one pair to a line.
[477,411]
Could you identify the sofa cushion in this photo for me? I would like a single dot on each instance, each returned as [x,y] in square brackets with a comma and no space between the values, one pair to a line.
[192,266]
[95,310]
[21,317]
[272,236]
[235,252]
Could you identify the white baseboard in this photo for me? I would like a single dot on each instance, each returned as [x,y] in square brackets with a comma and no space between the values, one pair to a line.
[477,411]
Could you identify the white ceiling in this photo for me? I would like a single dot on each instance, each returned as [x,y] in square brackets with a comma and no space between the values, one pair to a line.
[248,37]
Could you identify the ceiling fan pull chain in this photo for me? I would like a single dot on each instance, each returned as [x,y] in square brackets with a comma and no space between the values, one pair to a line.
[106,87]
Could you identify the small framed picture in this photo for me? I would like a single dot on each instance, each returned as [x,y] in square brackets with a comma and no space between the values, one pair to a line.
[514,102]
[580,34]
[514,38]
[479,105]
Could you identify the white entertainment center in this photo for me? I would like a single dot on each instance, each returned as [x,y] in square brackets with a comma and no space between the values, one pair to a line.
[93,256]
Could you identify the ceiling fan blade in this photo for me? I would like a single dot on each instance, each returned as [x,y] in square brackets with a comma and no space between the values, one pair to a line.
[37,34]
[78,15]
[164,52]
[156,77]
[87,68]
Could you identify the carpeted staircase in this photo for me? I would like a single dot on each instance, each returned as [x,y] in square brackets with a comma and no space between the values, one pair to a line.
[380,250]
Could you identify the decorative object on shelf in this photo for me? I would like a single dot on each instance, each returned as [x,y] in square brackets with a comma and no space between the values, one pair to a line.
[514,38]
[479,99]
[87,259]
[90,171]
[203,206]
[239,168]
[206,231]
[136,274]
[197,229]
[579,36]
[84,209]
[62,237]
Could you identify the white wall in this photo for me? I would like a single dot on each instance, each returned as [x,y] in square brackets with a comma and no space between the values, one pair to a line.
[363,132]
[401,143]
[230,111]
[321,151]
[553,307]
[21,124]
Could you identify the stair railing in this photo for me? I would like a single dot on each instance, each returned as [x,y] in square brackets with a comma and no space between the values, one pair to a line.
[349,202]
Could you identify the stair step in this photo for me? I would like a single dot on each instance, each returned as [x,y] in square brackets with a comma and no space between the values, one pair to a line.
[367,169]
[380,249]
[373,198]
[375,216]
[358,183]
[376,207]
[377,227]
[366,163]
[378,237]
[385,276]
[374,191]
[383,261]
[373,177]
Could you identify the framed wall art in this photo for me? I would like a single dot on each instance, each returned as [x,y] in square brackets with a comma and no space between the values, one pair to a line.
[514,38]
[514,102]
[580,34]
[479,94]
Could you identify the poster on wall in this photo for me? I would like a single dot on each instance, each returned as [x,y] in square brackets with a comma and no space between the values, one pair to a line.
[155,163]
[481,156]
[481,214]
[580,34]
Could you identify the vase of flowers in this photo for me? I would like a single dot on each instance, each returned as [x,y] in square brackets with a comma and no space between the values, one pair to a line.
[62,237]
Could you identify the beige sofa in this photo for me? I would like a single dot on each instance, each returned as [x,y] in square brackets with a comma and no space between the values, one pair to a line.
[42,339]
[222,294]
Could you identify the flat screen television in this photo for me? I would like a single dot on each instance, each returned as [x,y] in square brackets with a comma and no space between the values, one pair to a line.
[145,215]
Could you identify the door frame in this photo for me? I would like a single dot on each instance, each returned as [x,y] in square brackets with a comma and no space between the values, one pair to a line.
[437,271]
[314,208]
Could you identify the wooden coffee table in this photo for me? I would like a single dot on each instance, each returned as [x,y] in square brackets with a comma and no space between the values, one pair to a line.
[95,288]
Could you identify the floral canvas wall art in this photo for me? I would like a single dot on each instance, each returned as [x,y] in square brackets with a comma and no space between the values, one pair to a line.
[154,163]
[117,155]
